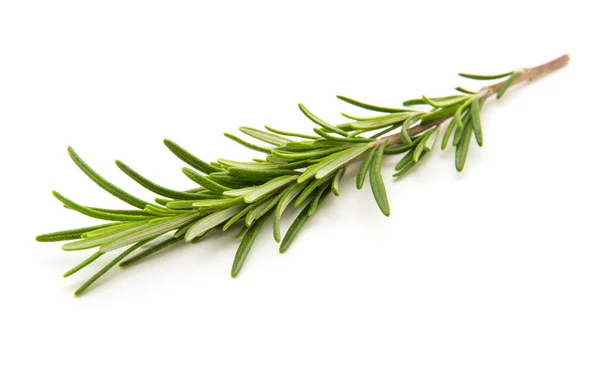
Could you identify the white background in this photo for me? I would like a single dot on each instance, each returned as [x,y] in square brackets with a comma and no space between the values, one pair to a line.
[498,265]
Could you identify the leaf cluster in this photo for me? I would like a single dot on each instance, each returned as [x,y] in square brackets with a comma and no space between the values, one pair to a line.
[297,169]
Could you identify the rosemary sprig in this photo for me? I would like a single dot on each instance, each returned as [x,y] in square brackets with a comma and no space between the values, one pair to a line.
[298,169]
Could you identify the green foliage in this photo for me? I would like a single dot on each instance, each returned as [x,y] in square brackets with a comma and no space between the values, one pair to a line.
[297,167]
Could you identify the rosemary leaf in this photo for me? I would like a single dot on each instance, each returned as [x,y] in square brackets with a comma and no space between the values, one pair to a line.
[463,147]
[247,144]
[448,133]
[310,188]
[371,107]
[507,84]
[294,134]
[314,204]
[261,209]
[104,184]
[100,240]
[320,122]
[153,249]
[445,102]
[376,181]
[190,159]
[335,184]
[97,214]
[246,245]
[286,198]
[205,181]
[484,77]
[333,164]
[70,234]
[151,231]
[268,188]
[404,135]
[261,174]
[265,136]
[297,225]
[153,187]
[83,264]
[476,121]
[364,168]
[210,221]
[114,262]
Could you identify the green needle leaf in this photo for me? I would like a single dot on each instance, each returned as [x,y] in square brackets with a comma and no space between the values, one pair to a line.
[70,234]
[190,159]
[297,225]
[459,112]
[121,212]
[507,84]
[153,230]
[320,122]
[439,113]
[476,121]
[341,160]
[260,165]
[404,161]
[403,147]
[376,181]
[484,77]
[104,184]
[210,221]
[404,136]
[96,241]
[381,121]
[431,138]
[265,136]
[153,187]
[348,139]
[217,204]
[445,101]
[96,214]
[310,188]
[364,168]
[239,192]
[241,232]
[115,261]
[261,209]
[335,184]
[246,245]
[459,131]
[463,90]
[224,178]
[205,181]
[110,230]
[463,147]
[311,154]
[422,146]
[286,198]
[268,188]
[153,249]
[260,174]
[247,144]
[389,129]
[314,204]
[371,107]
[407,165]
[448,133]
[294,134]
[83,264]
[240,214]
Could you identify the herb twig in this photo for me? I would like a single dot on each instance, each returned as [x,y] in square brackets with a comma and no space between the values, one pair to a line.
[297,168]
